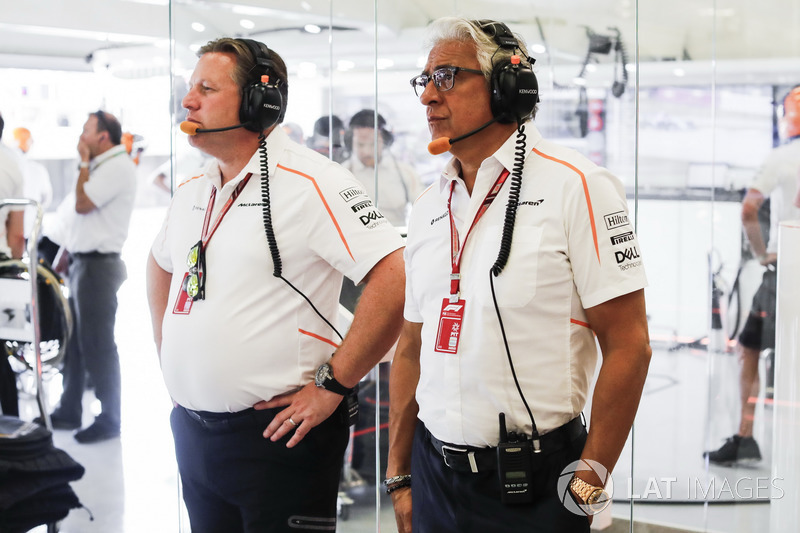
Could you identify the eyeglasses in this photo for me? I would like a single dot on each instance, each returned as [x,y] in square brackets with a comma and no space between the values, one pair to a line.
[443,78]
[195,283]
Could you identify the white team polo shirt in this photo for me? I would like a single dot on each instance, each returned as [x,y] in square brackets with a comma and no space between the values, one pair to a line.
[253,337]
[777,179]
[112,189]
[11,188]
[573,248]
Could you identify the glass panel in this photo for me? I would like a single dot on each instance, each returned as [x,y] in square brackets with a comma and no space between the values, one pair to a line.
[708,121]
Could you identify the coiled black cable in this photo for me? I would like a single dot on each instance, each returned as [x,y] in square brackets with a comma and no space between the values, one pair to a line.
[266,212]
[513,202]
[502,258]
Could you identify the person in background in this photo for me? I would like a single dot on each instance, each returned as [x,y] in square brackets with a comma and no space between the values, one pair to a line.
[12,236]
[777,179]
[294,131]
[243,282]
[37,179]
[104,196]
[321,141]
[371,158]
[520,260]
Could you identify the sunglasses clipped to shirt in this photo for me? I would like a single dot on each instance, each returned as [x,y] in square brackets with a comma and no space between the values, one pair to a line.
[443,78]
[195,283]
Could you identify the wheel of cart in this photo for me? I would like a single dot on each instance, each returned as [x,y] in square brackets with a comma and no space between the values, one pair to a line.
[35,317]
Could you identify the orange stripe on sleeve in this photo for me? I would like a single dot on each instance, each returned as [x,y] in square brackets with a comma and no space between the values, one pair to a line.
[585,193]
[318,337]
[579,323]
[325,203]
[184,182]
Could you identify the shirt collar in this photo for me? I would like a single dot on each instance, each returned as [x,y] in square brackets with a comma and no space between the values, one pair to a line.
[277,142]
[495,163]
[108,154]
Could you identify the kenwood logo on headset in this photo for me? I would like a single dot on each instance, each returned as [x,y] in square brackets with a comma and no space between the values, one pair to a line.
[273,106]
[529,91]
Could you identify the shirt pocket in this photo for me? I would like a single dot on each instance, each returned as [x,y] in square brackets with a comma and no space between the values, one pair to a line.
[516,284]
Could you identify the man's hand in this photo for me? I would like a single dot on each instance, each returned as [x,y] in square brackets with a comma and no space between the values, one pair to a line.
[306,408]
[83,151]
[401,500]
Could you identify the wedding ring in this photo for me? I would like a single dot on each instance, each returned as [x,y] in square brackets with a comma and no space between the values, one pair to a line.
[292,422]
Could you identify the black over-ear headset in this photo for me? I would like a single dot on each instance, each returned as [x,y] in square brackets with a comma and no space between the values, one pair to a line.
[515,91]
[263,103]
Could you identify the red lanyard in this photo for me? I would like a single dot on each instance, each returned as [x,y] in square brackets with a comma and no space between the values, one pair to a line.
[206,235]
[455,247]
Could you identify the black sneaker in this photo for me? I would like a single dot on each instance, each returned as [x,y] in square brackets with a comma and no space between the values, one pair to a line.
[60,421]
[97,432]
[737,450]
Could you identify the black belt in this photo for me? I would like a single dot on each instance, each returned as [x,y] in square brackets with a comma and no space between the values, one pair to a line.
[220,422]
[463,458]
[95,255]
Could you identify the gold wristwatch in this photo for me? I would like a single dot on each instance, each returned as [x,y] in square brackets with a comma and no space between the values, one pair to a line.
[588,494]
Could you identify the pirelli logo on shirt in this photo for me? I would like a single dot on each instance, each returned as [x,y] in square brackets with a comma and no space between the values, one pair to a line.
[622,237]
[352,193]
[361,205]
[616,220]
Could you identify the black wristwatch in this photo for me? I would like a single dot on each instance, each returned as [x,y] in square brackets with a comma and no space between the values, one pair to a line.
[325,380]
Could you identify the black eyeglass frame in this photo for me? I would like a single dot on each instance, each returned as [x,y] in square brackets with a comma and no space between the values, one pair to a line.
[416,81]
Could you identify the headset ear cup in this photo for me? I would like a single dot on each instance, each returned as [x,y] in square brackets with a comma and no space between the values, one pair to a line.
[348,139]
[388,137]
[262,106]
[515,92]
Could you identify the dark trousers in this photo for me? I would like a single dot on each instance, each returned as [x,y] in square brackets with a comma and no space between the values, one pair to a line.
[235,480]
[447,501]
[93,282]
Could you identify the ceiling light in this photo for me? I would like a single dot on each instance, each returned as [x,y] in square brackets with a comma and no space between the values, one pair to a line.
[679,72]
[247,24]
[384,63]
[312,28]
[78,34]
[196,26]
[538,49]
[305,5]
[591,67]
[579,81]
[345,64]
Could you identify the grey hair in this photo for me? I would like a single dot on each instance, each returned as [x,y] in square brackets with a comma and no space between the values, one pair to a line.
[464,30]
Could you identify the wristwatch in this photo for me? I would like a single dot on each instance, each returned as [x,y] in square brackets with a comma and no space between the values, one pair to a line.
[325,380]
[588,494]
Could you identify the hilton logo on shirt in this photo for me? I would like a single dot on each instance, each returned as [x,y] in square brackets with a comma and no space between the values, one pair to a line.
[348,195]
[615,220]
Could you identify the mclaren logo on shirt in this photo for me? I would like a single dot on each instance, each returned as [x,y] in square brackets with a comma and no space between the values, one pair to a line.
[615,220]
[351,193]
[532,202]
[361,205]
[621,238]
[437,219]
